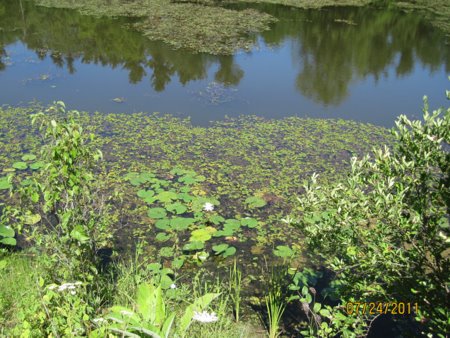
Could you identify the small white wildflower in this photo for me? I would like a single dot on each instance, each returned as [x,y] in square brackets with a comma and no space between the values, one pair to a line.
[73,293]
[98,320]
[126,313]
[205,317]
[208,206]
[62,287]
[173,286]
[52,287]
[78,283]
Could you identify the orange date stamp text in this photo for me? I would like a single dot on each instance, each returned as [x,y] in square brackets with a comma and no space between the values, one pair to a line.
[374,308]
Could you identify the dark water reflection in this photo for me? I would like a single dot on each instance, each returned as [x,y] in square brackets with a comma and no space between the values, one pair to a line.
[357,63]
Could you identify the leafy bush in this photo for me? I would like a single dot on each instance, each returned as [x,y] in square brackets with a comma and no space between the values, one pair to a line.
[385,231]
[61,207]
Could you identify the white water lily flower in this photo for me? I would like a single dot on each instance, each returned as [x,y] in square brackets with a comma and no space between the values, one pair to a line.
[205,317]
[208,206]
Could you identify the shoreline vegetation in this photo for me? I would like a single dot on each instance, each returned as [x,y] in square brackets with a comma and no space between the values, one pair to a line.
[125,224]
[213,27]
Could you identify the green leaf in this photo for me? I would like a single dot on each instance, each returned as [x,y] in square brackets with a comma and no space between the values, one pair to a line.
[166,196]
[166,251]
[177,208]
[249,222]
[8,241]
[79,234]
[6,231]
[157,213]
[220,248]
[162,237]
[180,223]
[177,263]
[155,267]
[4,184]
[202,235]
[216,219]
[255,202]
[163,224]
[145,193]
[28,157]
[229,252]
[32,219]
[20,165]
[150,303]
[283,251]
[193,246]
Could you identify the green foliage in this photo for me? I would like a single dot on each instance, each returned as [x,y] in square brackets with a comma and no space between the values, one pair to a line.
[234,288]
[151,317]
[385,232]
[61,208]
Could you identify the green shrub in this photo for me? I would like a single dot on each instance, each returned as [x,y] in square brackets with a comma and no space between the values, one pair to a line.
[385,232]
[62,210]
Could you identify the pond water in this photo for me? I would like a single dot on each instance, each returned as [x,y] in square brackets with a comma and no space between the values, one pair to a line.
[363,64]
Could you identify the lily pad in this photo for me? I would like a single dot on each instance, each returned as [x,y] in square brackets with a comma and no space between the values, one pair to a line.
[166,196]
[255,202]
[20,165]
[162,237]
[202,235]
[163,224]
[192,246]
[28,157]
[145,193]
[4,184]
[224,250]
[249,222]
[283,251]
[157,213]
[181,223]
[177,208]
[36,165]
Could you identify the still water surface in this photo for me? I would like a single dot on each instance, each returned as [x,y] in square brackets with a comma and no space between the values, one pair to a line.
[363,64]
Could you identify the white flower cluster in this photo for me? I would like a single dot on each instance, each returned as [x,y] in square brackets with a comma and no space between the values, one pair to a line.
[66,286]
[205,317]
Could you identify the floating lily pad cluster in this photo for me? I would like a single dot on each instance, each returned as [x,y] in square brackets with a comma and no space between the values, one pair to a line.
[185,218]
[28,161]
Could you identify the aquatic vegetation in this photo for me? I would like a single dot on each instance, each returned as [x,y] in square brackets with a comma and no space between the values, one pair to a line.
[197,27]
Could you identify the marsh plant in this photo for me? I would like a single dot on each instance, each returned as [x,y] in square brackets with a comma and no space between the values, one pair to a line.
[384,232]
[275,305]
[152,318]
[235,284]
